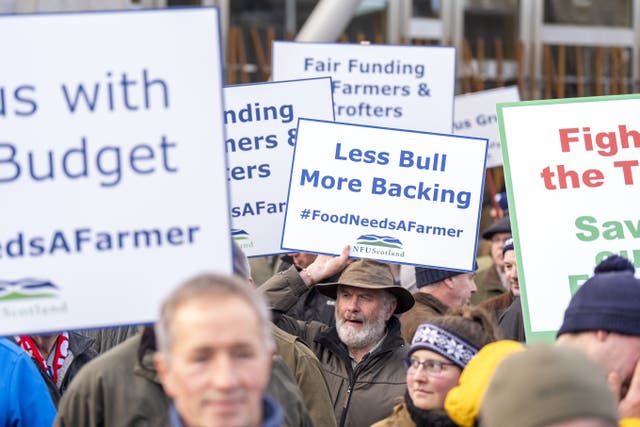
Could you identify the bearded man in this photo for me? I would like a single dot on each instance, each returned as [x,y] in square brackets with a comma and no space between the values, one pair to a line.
[363,354]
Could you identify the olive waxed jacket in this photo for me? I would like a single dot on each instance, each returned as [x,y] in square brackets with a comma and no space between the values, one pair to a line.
[362,395]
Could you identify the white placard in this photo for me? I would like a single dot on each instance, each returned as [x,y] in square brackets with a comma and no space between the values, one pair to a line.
[408,87]
[394,195]
[261,122]
[475,115]
[572,175]
[112,164]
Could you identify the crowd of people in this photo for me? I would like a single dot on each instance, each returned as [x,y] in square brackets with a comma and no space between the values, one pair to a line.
[336,341]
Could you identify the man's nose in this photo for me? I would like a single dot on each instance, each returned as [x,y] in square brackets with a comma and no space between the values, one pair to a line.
[223,372]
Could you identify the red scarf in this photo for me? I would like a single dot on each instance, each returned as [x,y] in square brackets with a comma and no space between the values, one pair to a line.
[60,353]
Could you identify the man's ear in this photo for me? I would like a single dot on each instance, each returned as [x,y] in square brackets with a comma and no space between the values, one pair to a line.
[392,308]
[162,367]
[448,282]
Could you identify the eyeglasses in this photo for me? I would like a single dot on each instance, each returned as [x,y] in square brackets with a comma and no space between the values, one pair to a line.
[430,366]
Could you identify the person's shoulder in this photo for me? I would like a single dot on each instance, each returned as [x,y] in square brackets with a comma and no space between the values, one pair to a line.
[10,350]
[120,358]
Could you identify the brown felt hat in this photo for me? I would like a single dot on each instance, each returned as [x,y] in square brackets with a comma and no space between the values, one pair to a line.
[370,274]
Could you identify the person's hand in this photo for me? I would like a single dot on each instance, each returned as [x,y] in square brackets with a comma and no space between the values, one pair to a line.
[629,402]
[325,266]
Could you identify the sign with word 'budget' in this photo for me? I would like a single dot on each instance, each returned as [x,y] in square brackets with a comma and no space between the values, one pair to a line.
[112,165]
[394,195]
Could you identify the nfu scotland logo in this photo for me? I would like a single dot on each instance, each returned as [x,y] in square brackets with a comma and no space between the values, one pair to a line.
[27,289]
[372,244]
[242,238]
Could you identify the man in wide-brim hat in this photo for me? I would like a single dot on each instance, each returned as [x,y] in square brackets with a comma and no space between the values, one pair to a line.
[362,355]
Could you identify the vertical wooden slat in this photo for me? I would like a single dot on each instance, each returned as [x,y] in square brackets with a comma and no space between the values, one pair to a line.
[620,73]
[242,58]
[613,73]
[466,66]
[547,64]
[260,55]
[520,60]
[599,71]
[532,72]
[560,79]
[579,71]
[271,36]
[233,59]
[479,78]
[499,62]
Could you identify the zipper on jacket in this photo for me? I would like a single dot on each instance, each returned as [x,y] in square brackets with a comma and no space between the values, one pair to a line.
[347,399]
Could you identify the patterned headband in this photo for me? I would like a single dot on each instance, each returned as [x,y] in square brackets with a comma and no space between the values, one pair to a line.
[446,344]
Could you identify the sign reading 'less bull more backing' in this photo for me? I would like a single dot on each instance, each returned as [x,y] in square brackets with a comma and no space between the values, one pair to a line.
[572,174]
[261,122]
[394,195]
[112,166]
[408,87]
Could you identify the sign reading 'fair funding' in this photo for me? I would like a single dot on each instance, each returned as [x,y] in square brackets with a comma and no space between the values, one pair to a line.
[408,87]
[572,174]
[475,115]
[261,124]
[112,167]
[394,195]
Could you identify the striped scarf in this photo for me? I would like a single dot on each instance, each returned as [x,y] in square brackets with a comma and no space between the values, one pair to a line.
[53,364]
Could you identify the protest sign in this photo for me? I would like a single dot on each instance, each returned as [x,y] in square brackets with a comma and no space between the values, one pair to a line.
[112,166]
[572,179]
[394,195]
[261,122]
[408,87]
[475,115]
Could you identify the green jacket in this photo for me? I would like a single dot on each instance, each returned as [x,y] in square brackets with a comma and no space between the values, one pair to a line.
[114,390]
[118,390]
[307,370]
[362,395]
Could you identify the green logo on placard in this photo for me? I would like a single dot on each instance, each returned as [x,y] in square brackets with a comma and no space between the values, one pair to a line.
[27,289]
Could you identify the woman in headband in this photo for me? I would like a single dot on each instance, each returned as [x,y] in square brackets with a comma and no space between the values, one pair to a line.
[439,351]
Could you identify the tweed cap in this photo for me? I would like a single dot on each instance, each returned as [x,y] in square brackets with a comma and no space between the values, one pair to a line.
[547,385]
[503,225]
[370,274]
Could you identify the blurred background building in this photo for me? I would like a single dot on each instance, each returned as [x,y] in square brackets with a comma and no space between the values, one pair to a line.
[549,48]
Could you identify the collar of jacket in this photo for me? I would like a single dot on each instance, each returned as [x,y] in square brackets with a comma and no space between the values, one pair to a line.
[431,301]
[144,361]
[79,343]
[331,340]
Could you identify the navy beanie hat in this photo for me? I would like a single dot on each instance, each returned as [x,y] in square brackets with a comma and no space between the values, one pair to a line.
[508,246]
[608,301]
[429,276]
